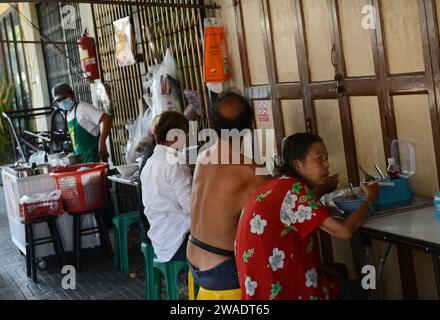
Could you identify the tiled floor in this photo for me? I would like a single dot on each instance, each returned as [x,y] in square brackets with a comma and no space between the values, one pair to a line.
[98,280]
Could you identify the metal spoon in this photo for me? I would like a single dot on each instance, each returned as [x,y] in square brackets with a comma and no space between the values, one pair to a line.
[353,194]
[368,177]
[379,171]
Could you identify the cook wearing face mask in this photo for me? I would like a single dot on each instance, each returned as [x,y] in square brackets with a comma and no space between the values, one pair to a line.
[67,104]
[88,126]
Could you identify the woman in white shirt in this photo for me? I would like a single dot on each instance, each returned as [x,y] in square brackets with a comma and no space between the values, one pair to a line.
[166,189]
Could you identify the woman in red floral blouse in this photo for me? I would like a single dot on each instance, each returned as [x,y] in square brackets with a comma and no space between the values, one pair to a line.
[277,251]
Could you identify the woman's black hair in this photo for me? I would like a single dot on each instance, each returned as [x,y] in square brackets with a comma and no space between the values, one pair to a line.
[295,147]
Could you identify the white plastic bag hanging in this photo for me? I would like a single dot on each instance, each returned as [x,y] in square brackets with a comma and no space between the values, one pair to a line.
[104,100]
[148,96]
[165,88]
[138,134]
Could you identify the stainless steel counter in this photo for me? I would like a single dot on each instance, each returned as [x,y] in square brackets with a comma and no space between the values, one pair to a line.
[122,180]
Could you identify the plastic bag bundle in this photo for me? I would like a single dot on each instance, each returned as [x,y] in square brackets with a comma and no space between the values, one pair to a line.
[148,97]
[104,101]
[165,87]
[138,132]
[38,158]
[41,197]
[194,108]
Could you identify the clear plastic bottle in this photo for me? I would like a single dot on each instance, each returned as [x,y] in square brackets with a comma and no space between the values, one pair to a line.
[393,169]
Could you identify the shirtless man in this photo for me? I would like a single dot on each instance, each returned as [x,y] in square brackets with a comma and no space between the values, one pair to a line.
[219,193]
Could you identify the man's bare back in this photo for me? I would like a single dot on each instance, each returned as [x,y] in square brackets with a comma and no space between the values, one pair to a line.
[218,196]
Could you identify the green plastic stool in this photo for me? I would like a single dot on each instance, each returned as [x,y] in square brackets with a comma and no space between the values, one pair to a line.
[153,272]
[170,270]
[148,251]
[122,223]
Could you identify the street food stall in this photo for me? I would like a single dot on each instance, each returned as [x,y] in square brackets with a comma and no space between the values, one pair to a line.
[21,181]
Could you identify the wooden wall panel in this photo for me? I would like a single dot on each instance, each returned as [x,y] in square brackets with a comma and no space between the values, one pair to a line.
[254,41]
[281,15]
[368,133]
[437,5]
[425,274]
[417,130]
[317,24]
[403,38]
[232,43]
[356,41]
[293,113]
[329,128]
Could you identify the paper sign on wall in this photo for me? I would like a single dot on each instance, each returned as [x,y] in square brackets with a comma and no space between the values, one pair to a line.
[263,111]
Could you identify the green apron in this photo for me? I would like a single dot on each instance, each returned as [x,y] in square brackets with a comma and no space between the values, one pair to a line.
[84,144]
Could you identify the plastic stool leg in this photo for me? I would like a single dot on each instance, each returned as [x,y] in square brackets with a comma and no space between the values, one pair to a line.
[56,241]
[156,285]
[77,241]
[116,258]
[172,282]
[154,293]
[28,251]
[123,248]
[150,289]
[32,255]
[193,288]
[105,240]
[144,251]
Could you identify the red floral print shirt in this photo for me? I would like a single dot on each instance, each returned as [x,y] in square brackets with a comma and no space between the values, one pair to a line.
[277,249]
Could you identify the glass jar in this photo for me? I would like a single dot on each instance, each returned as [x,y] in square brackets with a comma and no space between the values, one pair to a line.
[393,169]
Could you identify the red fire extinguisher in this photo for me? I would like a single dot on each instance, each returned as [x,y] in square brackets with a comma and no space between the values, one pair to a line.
[89,59]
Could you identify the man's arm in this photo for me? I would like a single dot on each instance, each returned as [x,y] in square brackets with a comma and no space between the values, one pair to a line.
[106,121]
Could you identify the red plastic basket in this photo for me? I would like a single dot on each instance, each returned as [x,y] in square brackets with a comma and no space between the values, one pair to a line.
[41,209]
[84,190]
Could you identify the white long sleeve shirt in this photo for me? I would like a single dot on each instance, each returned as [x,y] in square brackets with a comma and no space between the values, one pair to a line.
[166,195]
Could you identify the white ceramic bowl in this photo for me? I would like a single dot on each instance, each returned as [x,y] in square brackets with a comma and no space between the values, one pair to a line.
[128,170]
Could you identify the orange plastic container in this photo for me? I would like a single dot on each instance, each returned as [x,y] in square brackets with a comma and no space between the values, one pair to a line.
[84,190]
